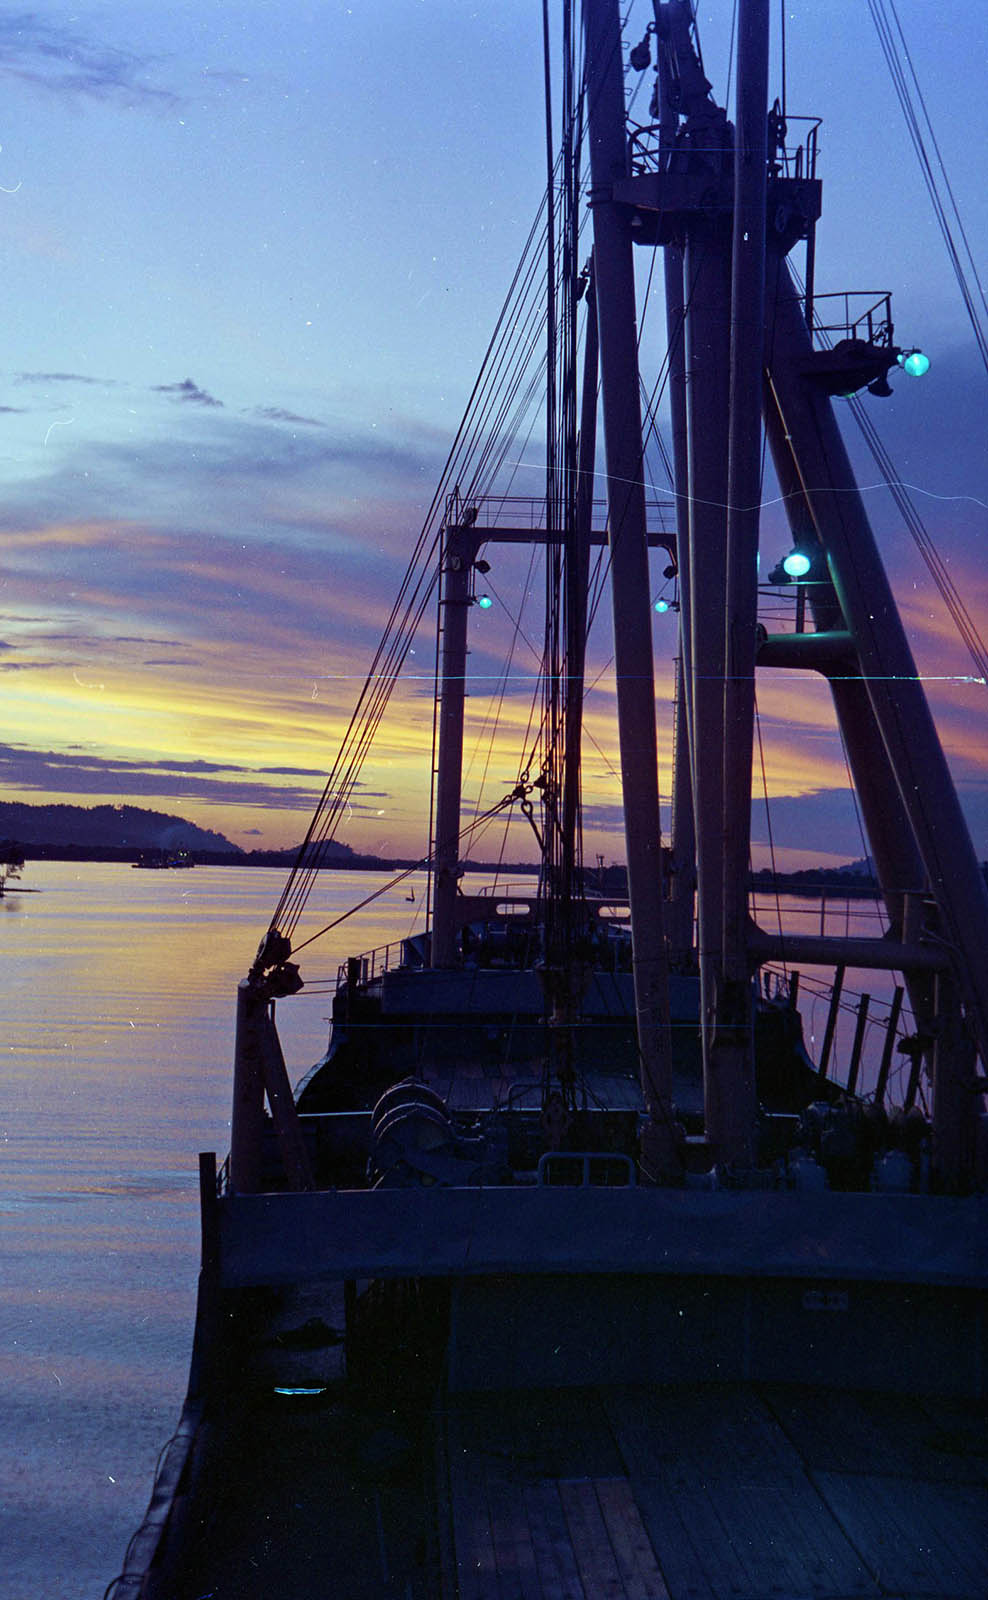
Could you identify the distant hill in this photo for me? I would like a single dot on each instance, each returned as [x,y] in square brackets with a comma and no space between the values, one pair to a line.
[332,854]
[865,868]
[106,828]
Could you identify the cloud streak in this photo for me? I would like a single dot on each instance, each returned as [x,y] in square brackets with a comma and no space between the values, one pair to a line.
[187,391]
[217,783]
[279,414]
[58,59]
[62,377]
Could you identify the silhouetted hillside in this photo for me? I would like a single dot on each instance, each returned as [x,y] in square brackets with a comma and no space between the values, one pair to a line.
[118,828]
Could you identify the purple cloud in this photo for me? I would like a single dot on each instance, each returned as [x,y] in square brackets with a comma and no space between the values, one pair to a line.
[187,391]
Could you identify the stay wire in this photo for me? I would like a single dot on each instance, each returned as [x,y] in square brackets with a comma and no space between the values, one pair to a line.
[393,648]
[890,49]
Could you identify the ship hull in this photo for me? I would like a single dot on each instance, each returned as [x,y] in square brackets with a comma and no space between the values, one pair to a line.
[466,1393]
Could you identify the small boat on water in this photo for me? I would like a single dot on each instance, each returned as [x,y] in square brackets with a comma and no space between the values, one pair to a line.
[160,860]
[566,1271]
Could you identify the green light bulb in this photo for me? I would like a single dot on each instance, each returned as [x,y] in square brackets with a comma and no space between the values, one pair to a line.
[485,602]
[796,564]
[916,364]
[662,605]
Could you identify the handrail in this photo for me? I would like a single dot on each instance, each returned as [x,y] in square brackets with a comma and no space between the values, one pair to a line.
[873,324]
[373,962]
[583,1158]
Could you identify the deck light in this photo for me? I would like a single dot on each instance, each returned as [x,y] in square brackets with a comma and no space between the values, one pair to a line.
[662,605]
[796,564]
[914,362]
[485,602]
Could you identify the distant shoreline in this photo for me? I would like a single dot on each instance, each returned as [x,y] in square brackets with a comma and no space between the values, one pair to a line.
[811,884]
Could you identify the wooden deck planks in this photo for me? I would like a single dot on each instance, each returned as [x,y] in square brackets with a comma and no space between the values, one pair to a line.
[815,1556]
[830,1429]
[771,1551]
[701,1433]
[472,1535]
[714,1493]
[629,1541]
[554,1556]
[923,1538]
[959,1434]
[514,1552]
[591,1543]
[890,1435]
[728,1504]
[675,1552]
[527,1524]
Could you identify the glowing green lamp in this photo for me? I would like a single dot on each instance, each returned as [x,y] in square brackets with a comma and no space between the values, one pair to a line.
[796,564]
[914,362]
[485,602]
[662,605]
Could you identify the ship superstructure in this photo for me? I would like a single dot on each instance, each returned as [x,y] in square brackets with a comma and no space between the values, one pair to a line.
[619,1316]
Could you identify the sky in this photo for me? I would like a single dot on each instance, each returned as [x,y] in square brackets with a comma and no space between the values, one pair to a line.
[252,256]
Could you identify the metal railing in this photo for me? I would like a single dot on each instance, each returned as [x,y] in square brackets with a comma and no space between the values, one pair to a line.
[590,1168]
[529,511]
[872,323]
[373,962]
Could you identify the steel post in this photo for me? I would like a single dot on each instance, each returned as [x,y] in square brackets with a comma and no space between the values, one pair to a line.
[578,573]
[894,689]
[460,553]
[615,285]
[247,1122]
[898,865]
[732,1102]
[707,376]
[891,841]
[682,874]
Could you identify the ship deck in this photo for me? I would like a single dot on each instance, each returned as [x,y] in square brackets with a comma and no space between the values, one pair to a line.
[655,1492]
[714,1492]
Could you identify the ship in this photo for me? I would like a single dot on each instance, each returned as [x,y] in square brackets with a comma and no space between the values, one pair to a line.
[567,1271]
[160,860]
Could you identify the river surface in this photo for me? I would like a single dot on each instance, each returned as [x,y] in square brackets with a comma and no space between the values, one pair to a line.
[119,990]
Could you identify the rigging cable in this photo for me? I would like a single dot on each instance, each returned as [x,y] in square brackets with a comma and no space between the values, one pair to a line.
[887,24]
[414,595]
[935,563]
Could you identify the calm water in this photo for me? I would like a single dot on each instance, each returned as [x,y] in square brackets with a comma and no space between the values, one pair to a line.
[120,991]
[119,1004]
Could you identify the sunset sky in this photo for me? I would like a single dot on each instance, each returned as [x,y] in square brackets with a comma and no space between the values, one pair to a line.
[252,257]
